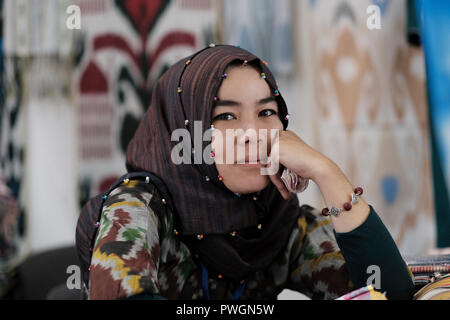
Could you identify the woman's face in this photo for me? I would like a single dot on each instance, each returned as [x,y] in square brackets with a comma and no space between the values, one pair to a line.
[245,102]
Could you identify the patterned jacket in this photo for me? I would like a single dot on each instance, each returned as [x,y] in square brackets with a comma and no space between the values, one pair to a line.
[137,254]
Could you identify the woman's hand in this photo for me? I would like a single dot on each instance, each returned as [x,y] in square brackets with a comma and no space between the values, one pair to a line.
[290,151]
[293,153]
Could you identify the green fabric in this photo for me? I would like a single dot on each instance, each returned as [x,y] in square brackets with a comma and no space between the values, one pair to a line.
[412,24]
[371,244]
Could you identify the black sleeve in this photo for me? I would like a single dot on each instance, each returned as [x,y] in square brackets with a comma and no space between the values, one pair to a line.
[372,245]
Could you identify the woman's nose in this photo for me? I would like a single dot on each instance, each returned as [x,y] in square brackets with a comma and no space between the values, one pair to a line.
[250,131]
[250,135]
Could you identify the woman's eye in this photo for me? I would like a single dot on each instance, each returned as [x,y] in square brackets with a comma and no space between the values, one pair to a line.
[224,116]
[268,113]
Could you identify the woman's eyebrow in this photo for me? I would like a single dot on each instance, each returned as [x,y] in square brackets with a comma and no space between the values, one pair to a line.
[267,100]
[232,103]
[227,103]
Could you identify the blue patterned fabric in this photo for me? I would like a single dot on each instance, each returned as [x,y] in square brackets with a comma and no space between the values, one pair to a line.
[2,90]
[435,30]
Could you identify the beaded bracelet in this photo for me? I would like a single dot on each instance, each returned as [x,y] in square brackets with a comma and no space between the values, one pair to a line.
[347,206]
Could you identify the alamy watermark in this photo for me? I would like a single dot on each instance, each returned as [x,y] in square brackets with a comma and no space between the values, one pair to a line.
[74,20]
[374,279]
[374,19]
[74,279]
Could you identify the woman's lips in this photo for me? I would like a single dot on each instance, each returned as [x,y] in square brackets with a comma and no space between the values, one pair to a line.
[252,164]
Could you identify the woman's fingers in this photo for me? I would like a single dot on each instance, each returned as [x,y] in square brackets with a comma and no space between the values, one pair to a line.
[274,171]
[279,184]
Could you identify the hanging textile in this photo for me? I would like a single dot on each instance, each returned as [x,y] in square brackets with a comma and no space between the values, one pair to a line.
[125,46]
[371,112]
[2,87]
[37,50]
[263,27]
[36,28]
[9,238]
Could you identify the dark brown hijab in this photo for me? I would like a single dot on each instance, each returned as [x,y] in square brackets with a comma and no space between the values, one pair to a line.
[203,204]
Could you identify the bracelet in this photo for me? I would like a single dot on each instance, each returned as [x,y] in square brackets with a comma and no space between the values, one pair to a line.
[347,206]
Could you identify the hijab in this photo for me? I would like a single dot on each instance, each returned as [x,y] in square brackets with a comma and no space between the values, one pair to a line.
[234,235]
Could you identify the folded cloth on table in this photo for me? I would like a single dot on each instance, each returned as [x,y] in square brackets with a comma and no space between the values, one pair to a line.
[366,293]
[437,289]
[426,268]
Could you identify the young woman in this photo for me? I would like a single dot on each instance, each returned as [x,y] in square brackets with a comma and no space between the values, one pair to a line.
[227,231]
